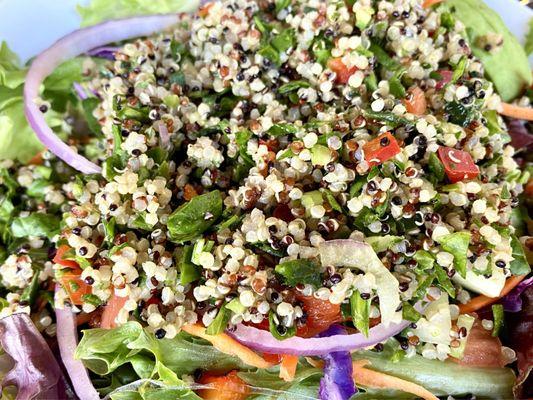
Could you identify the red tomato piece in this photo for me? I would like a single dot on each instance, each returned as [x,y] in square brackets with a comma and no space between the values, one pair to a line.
[321,314]
[272,358]
[381,149]
[458,164]
[58,258]
[76,288]
[446,75]
[227,387]
[342,71]
[416,103]
[111,309]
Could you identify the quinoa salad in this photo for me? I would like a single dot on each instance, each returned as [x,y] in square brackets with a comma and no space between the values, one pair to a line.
[268,199]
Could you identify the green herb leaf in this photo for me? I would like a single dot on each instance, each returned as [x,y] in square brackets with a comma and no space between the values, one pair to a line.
[519,266]
[458,113]
[275,329]
[291,86]
[424,259]
[36,224]
[457,244]
[282,130]
[195,217]
[444,281]
[409,313]
[220,322]
[188,271]
[499,317]
[300,271]
[332,200]
[435,167]
[360,312]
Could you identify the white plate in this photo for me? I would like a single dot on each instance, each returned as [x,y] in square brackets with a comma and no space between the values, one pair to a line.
[30,26]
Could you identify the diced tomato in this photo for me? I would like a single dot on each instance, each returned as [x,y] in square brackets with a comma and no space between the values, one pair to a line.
[111,310]
[58,258]
[321,314]
[482,349]
[271,358]
[227,387]
[446,76]
[458,164]
[76,288]
[415,102]
[341,70]
[381,149]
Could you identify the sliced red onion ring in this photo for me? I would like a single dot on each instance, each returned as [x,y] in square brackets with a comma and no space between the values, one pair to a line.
[80,42]
[263,341]
[67,339]
[107,52]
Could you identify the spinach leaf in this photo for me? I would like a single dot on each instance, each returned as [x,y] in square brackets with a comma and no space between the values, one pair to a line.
[457,244]
[458,113]
[519,266]
[360,312]
[195,217]
[508,68]
[36,224]
[300,271]
[188,271]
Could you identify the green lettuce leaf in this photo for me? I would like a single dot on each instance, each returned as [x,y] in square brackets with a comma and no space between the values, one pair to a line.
[101,10]
[508,68]
[104,350]
[528,46]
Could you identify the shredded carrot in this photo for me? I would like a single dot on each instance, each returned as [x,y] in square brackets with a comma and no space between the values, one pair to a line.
[429,3]
[287,369]
[481,301]
[370,378]
[510,110]
[228,345]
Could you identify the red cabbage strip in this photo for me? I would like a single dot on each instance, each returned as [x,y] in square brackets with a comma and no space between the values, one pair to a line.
[36,373]
[67,339]
[513,301]
[337,383]
[72,45]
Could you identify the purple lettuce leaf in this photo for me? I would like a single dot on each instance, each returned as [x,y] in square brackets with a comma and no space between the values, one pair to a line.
[337,383]
[513,301]
[521,138]
[36,373]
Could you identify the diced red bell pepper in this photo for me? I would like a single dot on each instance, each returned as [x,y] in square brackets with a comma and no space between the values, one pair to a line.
[76,288]
[381,149]
[341,70]
[458,164]
[58,258]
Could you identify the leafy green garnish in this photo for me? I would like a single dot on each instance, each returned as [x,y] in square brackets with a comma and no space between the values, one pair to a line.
[457,244]
[188,271]
[360,312]
[519,265]
[444,281]
[458,113]
[499,316]
[409,313]
[36,224]
[291,86]
[195,217]
[300,271]
[220,322]
[286,332]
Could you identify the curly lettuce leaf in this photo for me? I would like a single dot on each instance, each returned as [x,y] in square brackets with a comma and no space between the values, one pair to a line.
[101,10]
[36,373]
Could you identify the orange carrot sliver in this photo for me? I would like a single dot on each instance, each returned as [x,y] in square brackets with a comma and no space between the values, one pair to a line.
[510,110]
[379,380]
[481,301]
[287,369]
[228,345]
[429,3]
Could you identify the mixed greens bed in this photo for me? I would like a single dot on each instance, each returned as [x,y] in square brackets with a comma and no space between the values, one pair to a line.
[270,200]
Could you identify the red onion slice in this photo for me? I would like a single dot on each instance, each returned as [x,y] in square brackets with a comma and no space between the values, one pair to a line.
[263,341]
[72,45]
[67,339]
